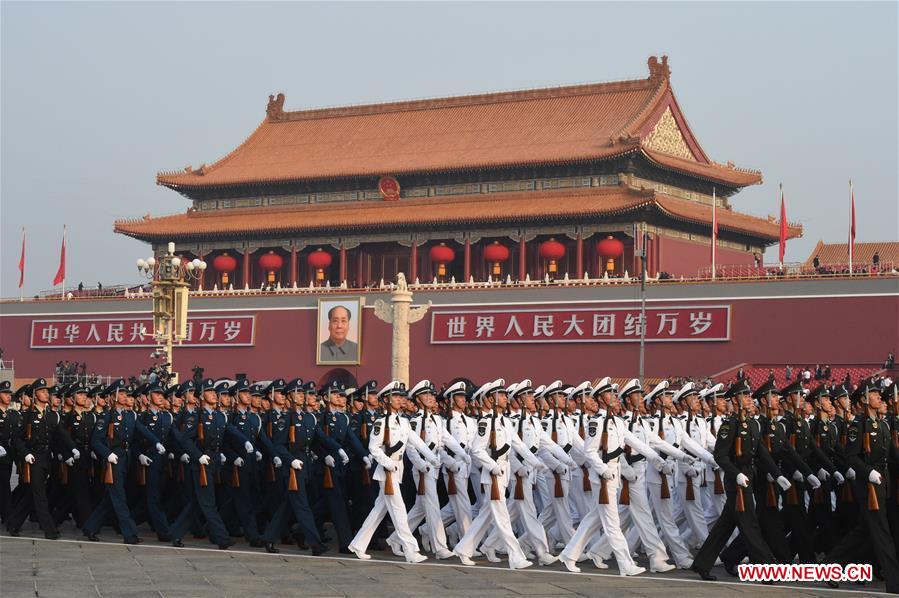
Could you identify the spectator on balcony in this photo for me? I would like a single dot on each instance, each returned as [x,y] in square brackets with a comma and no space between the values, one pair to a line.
[816,262]
[740,375]
[80,286]
[847,381]
[818,371]
[788,373]
[806,375]
[890,363]
[771,375]
[875,259]
[826,373]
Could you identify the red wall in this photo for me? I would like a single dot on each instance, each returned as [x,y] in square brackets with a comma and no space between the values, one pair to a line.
[680,257]
[850,330]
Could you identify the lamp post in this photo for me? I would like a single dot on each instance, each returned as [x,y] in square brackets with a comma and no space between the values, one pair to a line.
[170,276]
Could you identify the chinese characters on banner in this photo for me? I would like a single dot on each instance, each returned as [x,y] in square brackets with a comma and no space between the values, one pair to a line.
[581,325]
[213,331]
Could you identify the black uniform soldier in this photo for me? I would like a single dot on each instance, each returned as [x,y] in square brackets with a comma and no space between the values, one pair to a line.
[9,424]
[738,447]
[40,428]
[868,451]
[825,437]
[79,423]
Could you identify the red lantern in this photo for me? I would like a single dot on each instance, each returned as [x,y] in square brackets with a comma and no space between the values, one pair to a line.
[610,248]
[319,260]
[270,263]
[224,264]
[553,251]
[496,254]
[442,255]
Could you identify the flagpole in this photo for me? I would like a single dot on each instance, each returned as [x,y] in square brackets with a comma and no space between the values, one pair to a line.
[851,226]
[780,253]
[22,269]
[63,268]
[714,235]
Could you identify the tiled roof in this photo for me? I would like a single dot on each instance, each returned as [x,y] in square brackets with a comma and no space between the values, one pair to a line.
[458,211]
[838,253]
[697,213]
[532,127]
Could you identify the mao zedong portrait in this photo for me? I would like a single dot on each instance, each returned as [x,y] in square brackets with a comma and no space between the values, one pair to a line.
[337,348]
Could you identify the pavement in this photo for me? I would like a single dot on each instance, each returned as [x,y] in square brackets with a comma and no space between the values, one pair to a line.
[71,566]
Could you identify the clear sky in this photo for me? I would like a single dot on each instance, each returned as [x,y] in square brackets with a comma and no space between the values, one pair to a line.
[98,97]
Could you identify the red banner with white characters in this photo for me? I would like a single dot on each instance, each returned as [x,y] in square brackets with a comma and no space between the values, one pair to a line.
[581,325]
[212,331]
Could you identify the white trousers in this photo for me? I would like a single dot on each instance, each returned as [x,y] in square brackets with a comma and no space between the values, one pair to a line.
[603,517]
[523,516]
[394,506]
[693,511]
[460,503]
[556,519]
[669,531]
[427,506]
[712,503]
[492,512]
[643,528]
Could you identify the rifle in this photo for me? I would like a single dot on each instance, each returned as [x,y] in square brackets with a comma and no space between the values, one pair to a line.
[665,491]
[819,493]
[689,494]
[292,484]
[327,478]
[604,445]
[771,499]
[201,438]
[388,475]
[26,467]
[451,489]
[740,504]
[108,477]
[587,487]
[494,485]
[625,497]
[559,492]
[873,504]
[421,434]
[846,496]
[363,436]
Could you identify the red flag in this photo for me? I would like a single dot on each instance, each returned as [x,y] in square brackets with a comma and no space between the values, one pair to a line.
[783,227]
[61,273]
[22,261]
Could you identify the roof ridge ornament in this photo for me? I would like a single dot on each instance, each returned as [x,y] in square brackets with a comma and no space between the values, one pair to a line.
[275,108]
[658,70]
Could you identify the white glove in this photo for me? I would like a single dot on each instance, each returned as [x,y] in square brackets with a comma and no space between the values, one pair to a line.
[769,477]
[29,458]
[823,475]
[570,464]
[222,458]
[70,461]
[204,459]
[668,469]
[185,458]
[343,456]
[143,460]
[466,458]
[541,467]
[111,458]
[813,481]
[561,469]
[160,449]
[496,470]
[276,461]
[784,483]
[392,467]
[629,474]
[258,456]
[249,446]
[850,474]
[691,472]
[329,461]
[658,463]
[76,454]
[742,480]
[367,461]
[93,455]
[296,464]
[239,462]
[607,474]
[874,477]
[689,460]
[171,456]
[797,475]
[2,452]
[435,462]
[455,466]
[839,478]
[59,458]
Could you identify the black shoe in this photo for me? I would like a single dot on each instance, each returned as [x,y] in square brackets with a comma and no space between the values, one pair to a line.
[52,536]
[177,543]
[345,550]
[325,538]
[319,549]
[164,537]
[15,533]
[92,536]
[257,543]
[705,575]
[271,549]
[731,569]
[226,544]
[134,540]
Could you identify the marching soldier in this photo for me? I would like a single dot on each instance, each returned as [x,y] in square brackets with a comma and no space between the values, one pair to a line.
[243,483]
[158,420]
[79,423]
[112,441]
[389,439]
[9,426]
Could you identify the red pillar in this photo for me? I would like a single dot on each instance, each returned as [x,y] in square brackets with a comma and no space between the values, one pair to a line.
[202,277]
[467,269]
[522,259]
[360,268]
[293,266]
[342,263]
[579,257]
[413,262]
[246,268]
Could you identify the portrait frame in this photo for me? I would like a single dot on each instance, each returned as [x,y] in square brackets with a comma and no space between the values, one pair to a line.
[323,335]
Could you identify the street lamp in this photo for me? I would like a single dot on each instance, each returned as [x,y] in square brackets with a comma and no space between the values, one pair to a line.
[170,276]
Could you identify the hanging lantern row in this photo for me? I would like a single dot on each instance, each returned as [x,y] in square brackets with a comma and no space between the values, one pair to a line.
[225,264]
[553,251]
[496,254]
[442,255]
[270,263]
[610,248]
